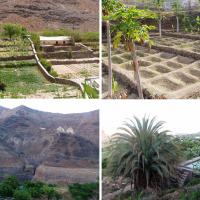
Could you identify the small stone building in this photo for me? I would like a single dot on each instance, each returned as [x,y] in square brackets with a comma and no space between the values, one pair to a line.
[58,40]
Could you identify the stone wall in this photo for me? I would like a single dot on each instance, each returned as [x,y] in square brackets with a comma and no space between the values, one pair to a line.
[59,175]
[68,54]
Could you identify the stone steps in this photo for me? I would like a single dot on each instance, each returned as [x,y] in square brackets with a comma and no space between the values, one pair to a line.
[182,179]
[73,61]
[68,54]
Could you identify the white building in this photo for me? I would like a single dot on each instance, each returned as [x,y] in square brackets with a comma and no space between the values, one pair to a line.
[58,40]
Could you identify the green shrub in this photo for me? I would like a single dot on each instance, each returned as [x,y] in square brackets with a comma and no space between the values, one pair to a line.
[190,147]
[22,195]
[90,91]
[2,86]
[104,163]
[34,188]
[51,193]
[190,196]
[37,184]
[6,190]
[12,182]
[53,73]
[36,40]
[46,64]
[35,192]
[84,191]
[194,181]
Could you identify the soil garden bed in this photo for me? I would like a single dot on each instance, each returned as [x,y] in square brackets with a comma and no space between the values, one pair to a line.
[163,74]
[77,61]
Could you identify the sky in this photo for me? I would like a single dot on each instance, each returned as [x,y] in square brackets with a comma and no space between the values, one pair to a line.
[55,106]
[180,116]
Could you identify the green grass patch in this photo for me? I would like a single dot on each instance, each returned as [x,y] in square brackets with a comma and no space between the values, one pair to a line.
[24,81]
[84,191]
[78,36]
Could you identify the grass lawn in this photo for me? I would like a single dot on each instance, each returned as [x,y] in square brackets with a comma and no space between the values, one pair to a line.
[27,82]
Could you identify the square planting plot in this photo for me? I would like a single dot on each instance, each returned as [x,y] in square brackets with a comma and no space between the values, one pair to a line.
[128,66]
[151,51]
[167,55]
[166,85]
[184,60]
[117,51]
[104,54]
[194,72]
[141,54]
[186,79]
[143,63]
[161,69]
[174,65]
[154,59]
[146,74]
[126,56]
[163,73]
[117,60]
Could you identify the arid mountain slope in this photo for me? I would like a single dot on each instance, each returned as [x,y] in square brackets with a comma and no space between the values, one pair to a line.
[40,14]
[38,139]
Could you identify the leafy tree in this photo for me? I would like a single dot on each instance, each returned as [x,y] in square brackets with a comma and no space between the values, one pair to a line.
[177,7]
[159,4]
[109,7]
[144,153]
[11,30]
[129,29]
[198,23]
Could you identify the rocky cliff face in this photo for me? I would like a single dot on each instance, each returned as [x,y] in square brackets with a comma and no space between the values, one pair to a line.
[39,14]
[30,139]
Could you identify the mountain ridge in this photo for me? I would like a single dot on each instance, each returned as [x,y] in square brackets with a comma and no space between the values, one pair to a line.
[38,138]
[38,15]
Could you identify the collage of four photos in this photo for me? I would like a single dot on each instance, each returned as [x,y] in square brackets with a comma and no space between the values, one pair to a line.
[99,99]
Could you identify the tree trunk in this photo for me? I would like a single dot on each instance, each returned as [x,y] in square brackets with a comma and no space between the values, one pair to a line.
[132,192]
[109,60]
[178,25]
[160,27]
[136,71]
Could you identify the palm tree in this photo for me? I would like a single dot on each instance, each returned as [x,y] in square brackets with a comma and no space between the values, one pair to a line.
[144,153]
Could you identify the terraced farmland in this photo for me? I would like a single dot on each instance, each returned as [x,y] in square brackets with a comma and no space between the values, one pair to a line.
[163,74]
[20,73]
[73,62]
